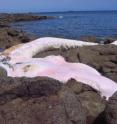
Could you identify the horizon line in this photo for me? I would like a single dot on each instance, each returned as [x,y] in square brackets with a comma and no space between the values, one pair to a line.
[57,11]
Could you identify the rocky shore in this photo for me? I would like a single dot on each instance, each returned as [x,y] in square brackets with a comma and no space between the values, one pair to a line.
[10,36]
[6,18]
[43,100]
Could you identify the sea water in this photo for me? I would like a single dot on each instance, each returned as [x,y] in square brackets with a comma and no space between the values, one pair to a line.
[73,25]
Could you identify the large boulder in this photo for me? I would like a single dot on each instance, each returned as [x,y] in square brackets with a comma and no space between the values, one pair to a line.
[90,99]
[72,106]
[111,110]
[11,88]
[103,58]
[43,110]
[93,104]
[38,100]
[47,101]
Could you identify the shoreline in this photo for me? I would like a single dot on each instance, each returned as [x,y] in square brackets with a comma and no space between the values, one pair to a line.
[16,36]
[10,36]
[9,18]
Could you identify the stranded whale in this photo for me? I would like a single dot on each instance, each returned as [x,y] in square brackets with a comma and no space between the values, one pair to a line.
[18,62]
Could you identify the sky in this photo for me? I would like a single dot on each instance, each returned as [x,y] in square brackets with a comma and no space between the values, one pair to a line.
[56,5]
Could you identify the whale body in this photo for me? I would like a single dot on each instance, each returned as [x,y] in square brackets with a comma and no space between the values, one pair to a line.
[18,62]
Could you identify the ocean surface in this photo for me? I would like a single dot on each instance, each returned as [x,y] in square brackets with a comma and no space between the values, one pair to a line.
[73,25]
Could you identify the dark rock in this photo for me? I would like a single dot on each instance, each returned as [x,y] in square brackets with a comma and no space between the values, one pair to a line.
[10,37]
[110,64]
[78,87]
[3,25]
[8,18]
[11,88]
[24,38]
[72,106]
[111,110]
[44,96]
[93,104]
[91,58]
[90,99]
[106,70]
[31,111]
[75,86]
[100,119]
[70,55]
[12,32]
[3,72]
[37,101]
[109,40]
[89,39]
[112,75]
[103,58]
[44,110]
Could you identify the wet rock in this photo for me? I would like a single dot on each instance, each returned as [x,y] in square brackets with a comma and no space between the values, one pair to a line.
[111,110]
